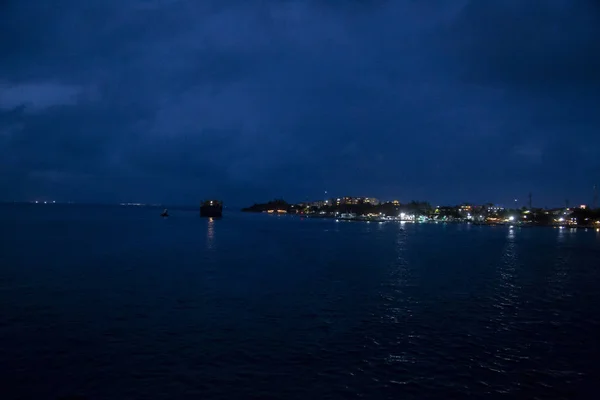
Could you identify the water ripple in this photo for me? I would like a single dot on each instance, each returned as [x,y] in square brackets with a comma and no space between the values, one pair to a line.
[250,307]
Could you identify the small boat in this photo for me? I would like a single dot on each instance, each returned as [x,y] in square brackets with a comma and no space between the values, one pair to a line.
[211,208]
[165,213]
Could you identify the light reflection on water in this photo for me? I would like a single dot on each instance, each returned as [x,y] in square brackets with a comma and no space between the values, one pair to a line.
[401,272]
[399,307]
[210,233]
[394,289]
[508,289]
[559,273]
[561,237]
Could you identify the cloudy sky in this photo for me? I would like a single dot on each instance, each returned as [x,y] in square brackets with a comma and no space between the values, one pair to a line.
[177,100]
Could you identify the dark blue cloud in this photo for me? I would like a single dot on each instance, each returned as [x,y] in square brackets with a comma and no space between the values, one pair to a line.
[175,100]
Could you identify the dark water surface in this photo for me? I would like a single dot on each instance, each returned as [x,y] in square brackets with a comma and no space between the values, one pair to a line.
[117,303]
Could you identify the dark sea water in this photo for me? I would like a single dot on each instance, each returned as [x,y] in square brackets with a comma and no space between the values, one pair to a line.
[117,303]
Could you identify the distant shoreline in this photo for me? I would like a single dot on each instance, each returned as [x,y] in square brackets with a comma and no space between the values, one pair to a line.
[371,210]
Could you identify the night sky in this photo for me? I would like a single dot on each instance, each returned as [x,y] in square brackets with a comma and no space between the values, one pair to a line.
[174,101]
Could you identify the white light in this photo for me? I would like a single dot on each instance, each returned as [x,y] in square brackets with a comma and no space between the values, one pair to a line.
[561,219]
[511,218]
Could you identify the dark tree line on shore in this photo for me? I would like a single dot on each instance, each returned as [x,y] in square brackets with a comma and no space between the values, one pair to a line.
[277,204]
